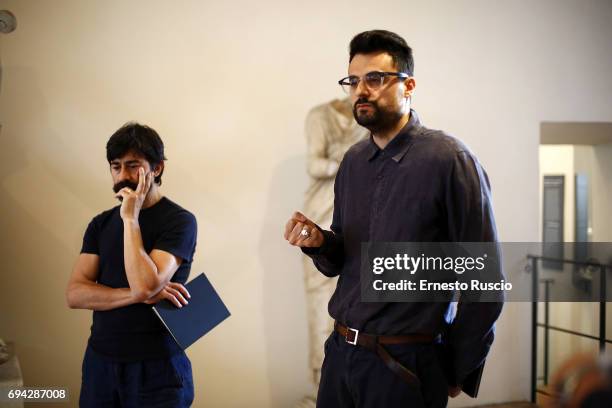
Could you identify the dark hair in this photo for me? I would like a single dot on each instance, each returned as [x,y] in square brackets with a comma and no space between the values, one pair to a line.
[385,41]
[139,139]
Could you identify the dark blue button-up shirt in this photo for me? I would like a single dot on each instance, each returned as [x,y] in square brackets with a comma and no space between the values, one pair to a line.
[424,186]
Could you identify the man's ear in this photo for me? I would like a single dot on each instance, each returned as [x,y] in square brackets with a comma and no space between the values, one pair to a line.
[158,168]
[410,85]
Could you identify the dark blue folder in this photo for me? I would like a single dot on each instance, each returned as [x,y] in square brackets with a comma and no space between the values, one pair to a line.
[204,311]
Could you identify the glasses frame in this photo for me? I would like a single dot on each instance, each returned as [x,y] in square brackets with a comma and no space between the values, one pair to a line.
[349,88]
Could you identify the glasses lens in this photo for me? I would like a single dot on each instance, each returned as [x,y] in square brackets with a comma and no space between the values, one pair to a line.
[374,80]
[349,84]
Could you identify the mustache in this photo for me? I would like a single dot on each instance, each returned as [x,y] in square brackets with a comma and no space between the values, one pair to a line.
[124,183]
[361,101]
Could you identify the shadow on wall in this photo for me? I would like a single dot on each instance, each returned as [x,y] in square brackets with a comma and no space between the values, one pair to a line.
[284,305]
[38,246]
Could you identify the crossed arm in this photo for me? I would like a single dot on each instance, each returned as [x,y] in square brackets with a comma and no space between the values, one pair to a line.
[148,276]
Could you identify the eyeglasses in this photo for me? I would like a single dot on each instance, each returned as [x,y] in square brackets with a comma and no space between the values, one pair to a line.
[373,80]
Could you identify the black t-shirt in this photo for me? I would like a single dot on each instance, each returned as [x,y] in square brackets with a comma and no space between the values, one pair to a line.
[133,332]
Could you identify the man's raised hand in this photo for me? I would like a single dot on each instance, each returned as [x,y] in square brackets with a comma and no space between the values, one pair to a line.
[302,232]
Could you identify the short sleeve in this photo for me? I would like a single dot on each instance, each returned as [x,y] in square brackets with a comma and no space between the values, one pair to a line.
[178,236]
[91,239]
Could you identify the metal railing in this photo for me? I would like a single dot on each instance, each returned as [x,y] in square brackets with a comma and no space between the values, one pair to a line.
[536,282]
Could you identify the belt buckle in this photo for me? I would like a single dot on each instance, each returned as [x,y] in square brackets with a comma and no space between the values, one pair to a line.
[348,331]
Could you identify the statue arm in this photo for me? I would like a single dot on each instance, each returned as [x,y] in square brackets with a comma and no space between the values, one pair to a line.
[319,165]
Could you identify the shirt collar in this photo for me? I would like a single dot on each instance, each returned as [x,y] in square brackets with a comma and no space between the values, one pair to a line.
[399,146]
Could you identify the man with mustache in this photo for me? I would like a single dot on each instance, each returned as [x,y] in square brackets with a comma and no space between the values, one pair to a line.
[134,255]
[406,183]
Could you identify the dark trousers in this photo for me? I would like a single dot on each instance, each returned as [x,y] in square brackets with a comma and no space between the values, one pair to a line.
[165,383]
[354,377]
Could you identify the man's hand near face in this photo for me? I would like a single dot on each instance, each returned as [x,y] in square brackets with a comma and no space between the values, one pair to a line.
[133,200]
[302,232]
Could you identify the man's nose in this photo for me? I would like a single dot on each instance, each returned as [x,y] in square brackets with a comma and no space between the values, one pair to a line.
[362,89]
[125,173]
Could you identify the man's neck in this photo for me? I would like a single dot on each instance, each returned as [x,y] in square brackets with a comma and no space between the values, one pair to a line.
[153,197]
[383,137]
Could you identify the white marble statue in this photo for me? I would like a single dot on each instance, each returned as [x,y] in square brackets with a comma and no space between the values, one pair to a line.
[330,131]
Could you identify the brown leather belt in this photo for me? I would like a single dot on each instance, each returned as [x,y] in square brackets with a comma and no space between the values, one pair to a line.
[375,343]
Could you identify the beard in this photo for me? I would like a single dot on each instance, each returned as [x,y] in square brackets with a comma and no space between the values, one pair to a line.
[376,119]
[122,184]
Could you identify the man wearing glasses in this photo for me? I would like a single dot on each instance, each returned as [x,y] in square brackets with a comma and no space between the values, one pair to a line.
[406,183]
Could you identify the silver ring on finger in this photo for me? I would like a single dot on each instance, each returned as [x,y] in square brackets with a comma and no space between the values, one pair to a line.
[305,233]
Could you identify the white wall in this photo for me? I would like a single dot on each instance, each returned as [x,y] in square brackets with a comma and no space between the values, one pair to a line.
[227,85]
[602,193]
